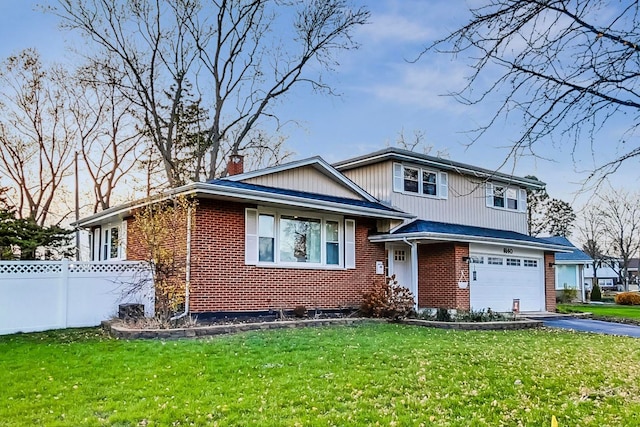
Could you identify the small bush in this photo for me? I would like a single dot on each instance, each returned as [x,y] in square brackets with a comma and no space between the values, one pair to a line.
[443,315]
[481,316]
[596,293]
[567,295]
[388,300]
[300,311]
[628,298]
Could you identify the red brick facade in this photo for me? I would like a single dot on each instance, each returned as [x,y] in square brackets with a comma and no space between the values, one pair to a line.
[549,281]
[220,280]
[440,268]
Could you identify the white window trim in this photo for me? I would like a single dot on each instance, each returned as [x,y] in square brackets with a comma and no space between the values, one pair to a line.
[252,250]
[521,197]
[442,181]
[103,242]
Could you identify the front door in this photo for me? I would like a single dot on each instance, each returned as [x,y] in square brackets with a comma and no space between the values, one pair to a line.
[401,266]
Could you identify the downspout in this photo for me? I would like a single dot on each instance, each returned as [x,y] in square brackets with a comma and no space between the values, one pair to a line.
[187,278]
[414,267]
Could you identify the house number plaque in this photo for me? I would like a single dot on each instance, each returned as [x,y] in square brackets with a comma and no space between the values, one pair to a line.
[507,250]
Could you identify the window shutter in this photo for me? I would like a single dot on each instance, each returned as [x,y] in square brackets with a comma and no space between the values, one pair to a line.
[488,191]
[251,236]
[522,203]
[398,177]
[97,245]
[443,183]
[123,240]
[349,243]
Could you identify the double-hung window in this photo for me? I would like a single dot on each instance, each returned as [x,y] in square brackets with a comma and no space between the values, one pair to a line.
[416,180]
[109,242]
[292,239]
[504,197]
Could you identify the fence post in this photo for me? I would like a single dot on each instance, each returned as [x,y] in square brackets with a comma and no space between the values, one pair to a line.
[63,298]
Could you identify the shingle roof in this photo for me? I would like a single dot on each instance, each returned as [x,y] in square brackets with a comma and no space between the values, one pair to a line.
[575,254]
[422,226]
[304,195]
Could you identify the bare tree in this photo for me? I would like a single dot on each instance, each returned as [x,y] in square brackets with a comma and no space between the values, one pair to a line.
[565,67]
[591,233]
[108,138]
[221,55]
[36,133]
[620,215]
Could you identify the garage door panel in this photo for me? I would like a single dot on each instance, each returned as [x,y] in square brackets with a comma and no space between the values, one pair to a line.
[496,286]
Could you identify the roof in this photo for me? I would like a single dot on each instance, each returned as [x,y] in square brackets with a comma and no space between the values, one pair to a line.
[239,191]
[575,256]
[433,230]
[316,162]
[392,153]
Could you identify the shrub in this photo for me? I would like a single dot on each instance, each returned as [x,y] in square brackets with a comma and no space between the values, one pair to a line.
[628,298]
[567,294]
[388,300]
[596,293]
[443,315]
[481,316]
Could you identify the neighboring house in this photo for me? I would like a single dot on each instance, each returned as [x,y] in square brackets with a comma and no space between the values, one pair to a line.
[608,277]
[312,234]
[632,270]
[570,268]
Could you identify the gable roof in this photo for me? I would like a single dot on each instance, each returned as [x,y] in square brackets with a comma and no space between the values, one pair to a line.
[392,153]
[433,230]
[576,256]
[225,189]
[317,163]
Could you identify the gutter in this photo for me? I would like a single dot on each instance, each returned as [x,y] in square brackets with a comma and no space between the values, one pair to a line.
[187,279]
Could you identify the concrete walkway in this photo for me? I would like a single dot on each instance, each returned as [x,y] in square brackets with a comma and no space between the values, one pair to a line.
[590,325]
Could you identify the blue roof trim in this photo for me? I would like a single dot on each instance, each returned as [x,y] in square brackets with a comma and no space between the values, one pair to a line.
[575,255]
[304,195]
[422,226]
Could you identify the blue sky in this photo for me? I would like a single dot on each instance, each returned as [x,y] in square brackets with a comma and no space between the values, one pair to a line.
[381,94]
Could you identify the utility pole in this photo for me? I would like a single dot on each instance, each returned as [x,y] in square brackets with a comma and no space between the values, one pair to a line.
[77,197]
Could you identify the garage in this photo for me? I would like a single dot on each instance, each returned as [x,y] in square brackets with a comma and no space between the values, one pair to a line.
[497,278]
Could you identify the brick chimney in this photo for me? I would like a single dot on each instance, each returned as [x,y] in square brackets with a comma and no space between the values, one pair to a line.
[235,165]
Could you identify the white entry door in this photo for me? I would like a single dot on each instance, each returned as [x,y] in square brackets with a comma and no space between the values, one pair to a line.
[401,266]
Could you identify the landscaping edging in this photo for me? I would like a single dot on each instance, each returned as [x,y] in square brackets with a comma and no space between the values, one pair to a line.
[123,332]
[120,331]
[476,326]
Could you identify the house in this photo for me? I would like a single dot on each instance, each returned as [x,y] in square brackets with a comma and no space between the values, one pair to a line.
[607,274]
[319,235]
[570,268]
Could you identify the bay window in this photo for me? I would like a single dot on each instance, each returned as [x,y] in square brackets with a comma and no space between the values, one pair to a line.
[288,239]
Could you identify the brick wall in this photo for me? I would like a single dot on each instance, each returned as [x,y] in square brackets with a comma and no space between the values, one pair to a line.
[549,282]
[440,268]
[220,280]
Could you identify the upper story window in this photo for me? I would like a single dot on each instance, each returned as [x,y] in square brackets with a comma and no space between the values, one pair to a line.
[288,239]
[504,197]
[415,180]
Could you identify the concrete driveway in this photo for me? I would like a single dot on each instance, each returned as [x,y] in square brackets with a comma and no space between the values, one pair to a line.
[589,325]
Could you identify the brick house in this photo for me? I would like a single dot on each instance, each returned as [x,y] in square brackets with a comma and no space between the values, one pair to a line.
[319,235]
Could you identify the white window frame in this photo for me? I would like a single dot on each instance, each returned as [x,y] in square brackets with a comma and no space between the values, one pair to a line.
[519,193]
[441,184]
[107,244]
[346,243]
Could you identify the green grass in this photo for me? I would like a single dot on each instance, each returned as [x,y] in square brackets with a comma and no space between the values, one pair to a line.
[346,376]
[620,311]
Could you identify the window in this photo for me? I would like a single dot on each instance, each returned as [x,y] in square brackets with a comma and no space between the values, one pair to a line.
[476,259]
[514,262]
[503,197]
[494,260]
[289,239]
[530,263]
[111,243]
[266,238]
[420,181]
[411,180]
[399,255]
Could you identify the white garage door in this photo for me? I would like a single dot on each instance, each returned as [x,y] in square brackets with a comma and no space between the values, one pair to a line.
[496,280]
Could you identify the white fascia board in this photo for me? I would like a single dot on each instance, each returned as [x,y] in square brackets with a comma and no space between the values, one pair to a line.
[311,161]
[204,189]
[467,239]
[259,196]
[449,166]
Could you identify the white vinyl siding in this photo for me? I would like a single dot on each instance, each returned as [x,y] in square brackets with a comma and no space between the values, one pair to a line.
[465,203]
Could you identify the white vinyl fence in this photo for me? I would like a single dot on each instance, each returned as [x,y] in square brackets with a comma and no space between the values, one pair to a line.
[42,295]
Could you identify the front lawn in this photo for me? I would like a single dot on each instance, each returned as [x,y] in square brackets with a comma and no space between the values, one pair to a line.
[609,310]
[362,375]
